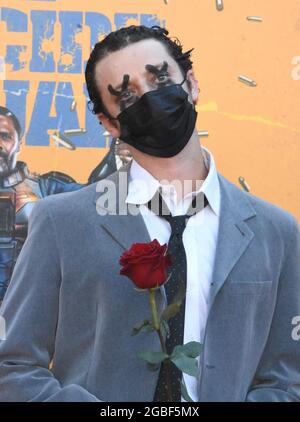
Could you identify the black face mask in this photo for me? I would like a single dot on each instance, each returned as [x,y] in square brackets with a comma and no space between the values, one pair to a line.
[160,123]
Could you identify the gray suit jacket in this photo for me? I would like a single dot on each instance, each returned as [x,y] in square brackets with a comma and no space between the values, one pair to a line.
[67,303]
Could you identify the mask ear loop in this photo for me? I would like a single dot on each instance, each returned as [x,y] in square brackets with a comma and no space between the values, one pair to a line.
[184,80]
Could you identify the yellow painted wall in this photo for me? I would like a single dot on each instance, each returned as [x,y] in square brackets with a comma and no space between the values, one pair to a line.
[254,132]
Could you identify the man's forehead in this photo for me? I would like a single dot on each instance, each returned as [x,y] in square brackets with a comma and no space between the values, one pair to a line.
[6,122]
[132,60]
[149,49]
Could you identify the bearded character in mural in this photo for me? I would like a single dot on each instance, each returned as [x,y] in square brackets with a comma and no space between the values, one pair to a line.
[20,189]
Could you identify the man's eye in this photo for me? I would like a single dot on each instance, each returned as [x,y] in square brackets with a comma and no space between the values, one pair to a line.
[163,79]
[126,99]
[5,136]
[125,95]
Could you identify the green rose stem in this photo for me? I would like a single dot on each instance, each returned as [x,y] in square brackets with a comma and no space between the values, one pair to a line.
[155,319]
[156,326]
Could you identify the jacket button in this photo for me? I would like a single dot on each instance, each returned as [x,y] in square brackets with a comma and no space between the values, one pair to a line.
[208,366]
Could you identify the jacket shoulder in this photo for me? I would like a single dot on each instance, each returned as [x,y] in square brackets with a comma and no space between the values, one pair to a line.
[267,212]
[66,203]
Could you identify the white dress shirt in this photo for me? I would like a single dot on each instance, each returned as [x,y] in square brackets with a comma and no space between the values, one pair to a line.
[199,239]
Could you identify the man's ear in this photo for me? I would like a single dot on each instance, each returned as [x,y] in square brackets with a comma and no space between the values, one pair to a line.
[193,85]
[112,126]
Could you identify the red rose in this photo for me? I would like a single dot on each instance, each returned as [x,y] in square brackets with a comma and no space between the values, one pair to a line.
[146,264]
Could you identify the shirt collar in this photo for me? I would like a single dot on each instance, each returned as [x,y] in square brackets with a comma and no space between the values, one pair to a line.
[142,185]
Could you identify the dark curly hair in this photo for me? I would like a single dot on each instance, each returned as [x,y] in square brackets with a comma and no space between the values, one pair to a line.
[7,113]
[122,38]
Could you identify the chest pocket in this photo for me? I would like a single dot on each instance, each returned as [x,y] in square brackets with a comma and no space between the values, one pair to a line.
[249,287]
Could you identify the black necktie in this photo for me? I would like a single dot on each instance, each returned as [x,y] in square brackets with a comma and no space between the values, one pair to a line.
[178,272]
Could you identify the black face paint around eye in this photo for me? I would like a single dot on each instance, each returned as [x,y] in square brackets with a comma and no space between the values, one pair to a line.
[124,86]
[130,99]
[158,72]
[162,75]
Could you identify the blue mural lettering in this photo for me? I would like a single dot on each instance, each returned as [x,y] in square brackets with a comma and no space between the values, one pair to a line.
[16,21]
[42,31]
[16,93]
[71,24]
[58,95]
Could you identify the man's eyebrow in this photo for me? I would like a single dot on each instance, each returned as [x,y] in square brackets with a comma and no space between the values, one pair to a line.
[8,133]
[158,68]
[123,86]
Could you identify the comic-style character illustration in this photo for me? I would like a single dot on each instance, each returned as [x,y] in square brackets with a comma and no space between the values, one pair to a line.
[20,189]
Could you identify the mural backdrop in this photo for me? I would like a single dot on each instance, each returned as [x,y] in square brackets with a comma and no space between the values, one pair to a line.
[246,57]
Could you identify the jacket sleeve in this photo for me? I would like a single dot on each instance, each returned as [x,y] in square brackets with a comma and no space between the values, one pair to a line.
[30,313]
[278,375]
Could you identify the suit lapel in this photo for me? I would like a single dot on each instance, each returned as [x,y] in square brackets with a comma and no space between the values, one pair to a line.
[121,221]
[234,234]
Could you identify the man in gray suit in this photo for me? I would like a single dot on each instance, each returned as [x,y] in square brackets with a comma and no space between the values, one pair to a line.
[67,302]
